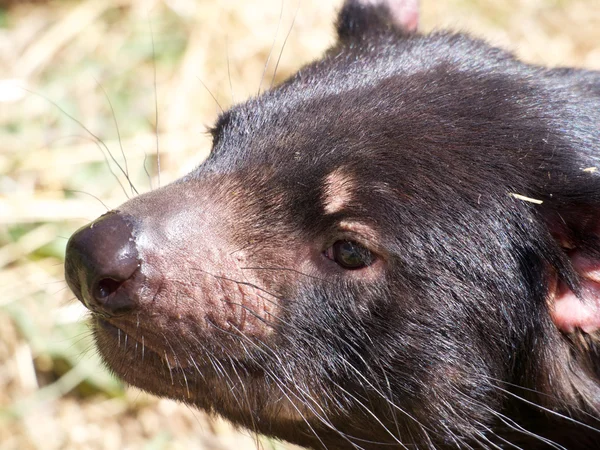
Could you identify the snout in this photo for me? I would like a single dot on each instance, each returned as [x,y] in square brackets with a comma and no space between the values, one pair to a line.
[101,258]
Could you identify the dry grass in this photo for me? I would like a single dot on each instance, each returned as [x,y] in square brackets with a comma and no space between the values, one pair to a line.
[64,67]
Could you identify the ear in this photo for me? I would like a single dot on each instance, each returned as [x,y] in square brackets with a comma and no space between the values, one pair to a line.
[358,18]
[574,293]
[580,309]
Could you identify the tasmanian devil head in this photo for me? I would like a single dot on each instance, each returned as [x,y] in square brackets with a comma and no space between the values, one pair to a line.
[399,245]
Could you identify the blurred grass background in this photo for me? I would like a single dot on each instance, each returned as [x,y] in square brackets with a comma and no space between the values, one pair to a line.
[72,72]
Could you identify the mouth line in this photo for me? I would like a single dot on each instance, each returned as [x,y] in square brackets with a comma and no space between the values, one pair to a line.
[121,334]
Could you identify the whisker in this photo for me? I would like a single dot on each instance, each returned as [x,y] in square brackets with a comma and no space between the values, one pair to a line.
[177,362]
[510,423]
[91,195]
[155,104]
[489,430]
[114,116]
[283,388]
[146,170]
[284,43]
[349,365]
[305,394]
[99,142]
[544,394]
[547,410]
[515,426]
[243,283]
[210,93]
[247,399]
[371,413]
[299,412]
[287,269]
[262,78]
[229,70]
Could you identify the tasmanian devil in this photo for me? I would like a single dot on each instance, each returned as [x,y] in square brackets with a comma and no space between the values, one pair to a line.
[398,247]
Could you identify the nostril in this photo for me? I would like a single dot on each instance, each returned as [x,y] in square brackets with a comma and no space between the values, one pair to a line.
[111,298]
[105,287]
[100,258]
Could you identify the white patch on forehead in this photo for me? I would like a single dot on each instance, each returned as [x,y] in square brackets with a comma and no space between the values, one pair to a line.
[337,191]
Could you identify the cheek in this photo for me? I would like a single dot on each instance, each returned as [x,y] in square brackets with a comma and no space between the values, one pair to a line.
[210,288]
[219,288]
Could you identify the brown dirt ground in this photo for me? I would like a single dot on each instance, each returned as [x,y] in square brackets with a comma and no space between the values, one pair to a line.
[76,61]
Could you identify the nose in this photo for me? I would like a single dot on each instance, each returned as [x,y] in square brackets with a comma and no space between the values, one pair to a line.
[100,258]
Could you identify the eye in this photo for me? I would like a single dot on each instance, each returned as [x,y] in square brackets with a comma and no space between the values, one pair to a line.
[350,255]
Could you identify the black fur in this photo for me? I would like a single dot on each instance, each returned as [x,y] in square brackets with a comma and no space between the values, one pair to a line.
[452,344]
[439,130]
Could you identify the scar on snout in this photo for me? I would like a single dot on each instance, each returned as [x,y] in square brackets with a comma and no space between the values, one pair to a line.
[337,191]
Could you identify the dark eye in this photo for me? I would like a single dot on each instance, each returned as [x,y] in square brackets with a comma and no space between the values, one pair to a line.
[350,255]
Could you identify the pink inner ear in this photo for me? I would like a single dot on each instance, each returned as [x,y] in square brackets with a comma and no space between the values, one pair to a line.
[404,12]
[570,312]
